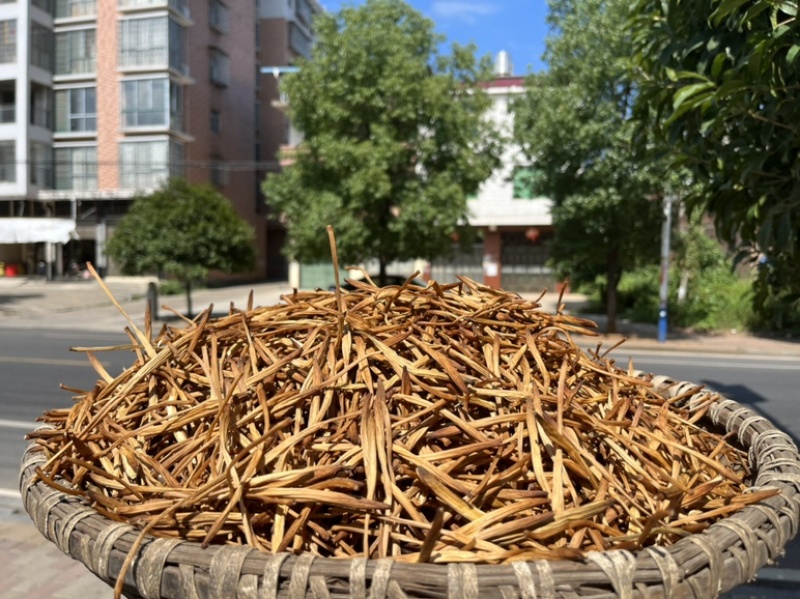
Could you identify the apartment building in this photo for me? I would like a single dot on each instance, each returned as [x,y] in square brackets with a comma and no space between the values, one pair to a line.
[284,36]
[101,100]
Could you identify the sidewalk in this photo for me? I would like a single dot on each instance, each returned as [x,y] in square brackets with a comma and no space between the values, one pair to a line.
[83,305]
[31,567]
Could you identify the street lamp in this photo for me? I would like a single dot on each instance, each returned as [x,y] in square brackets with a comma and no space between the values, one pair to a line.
[663,294]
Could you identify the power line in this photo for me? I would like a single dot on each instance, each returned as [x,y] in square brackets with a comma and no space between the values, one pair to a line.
[232,165]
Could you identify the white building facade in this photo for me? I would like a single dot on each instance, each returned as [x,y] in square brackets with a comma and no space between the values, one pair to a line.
[511,215]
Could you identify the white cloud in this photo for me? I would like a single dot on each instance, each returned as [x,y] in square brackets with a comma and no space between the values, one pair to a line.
[465,11]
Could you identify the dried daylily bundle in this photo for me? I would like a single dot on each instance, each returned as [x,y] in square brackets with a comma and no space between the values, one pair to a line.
[450,423]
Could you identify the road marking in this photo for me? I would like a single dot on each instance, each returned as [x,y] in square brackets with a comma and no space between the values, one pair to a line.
[13,493]
[659,353]
[86,335]
[44,361]
[28,426]
[697,363]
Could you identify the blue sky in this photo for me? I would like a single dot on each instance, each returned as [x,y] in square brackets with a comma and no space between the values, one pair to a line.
[517,26]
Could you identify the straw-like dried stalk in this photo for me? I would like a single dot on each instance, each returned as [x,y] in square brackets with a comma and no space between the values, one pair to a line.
[454,423]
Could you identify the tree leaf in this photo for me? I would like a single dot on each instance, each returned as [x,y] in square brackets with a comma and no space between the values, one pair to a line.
[688,91]
[792,53]
[725,9]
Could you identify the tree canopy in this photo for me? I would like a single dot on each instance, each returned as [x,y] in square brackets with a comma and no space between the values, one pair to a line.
[184,231]
[395,138]
[719,81]
[575,122]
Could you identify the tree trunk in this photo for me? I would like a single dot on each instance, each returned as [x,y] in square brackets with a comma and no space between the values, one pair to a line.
[382,271]
[612,274]
[188,287]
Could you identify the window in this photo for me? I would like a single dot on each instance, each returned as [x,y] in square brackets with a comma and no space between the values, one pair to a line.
[8,106]
[75,8]
[40,165]
[151,103]
[76,110]
[156,41]
[146,164]
[527,181]
[303,12]
[299,41]
[219,67]
[219,173]
[41,112]
[8,40]
[76,52]
[215,122]
[218,16]
[45,5]
[8,163]
[76,168]
[41,47]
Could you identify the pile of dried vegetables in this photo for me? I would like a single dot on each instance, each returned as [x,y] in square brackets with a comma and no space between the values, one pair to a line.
[445,424]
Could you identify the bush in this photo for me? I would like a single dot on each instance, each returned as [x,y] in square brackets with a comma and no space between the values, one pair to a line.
[170,287]
[776,297]
[717,298]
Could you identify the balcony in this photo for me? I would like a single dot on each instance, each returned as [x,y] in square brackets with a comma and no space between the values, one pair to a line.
[8,113]
[299,42]
[304,12]
[75,9]
[42,117]
[179,7]
[42,175]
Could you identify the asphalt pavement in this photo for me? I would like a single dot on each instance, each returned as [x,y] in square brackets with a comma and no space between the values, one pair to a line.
[83,306]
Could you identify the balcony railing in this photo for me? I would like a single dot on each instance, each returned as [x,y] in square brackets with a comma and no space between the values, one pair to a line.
[42,175]
[179,6]
[42,117]
[8,53]
[75,8]
[8,113]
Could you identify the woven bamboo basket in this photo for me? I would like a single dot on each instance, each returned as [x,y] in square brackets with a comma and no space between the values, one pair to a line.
[727,554]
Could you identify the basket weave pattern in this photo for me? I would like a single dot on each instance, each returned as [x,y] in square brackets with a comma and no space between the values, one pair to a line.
[727,554]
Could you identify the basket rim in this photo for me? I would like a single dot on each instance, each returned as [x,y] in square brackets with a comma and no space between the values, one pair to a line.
[727,554]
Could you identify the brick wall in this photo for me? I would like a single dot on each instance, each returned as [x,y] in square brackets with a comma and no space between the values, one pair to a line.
[108,102]
[235,143]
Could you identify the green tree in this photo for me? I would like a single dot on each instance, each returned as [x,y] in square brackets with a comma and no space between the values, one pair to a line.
[575,122]
[395,138]
[719,82]
[184,231]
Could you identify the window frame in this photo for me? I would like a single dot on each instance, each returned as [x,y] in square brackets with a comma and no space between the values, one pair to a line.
[8,161]
[521,189]
[8,41]
[87,176]
[149,172]
[42,44]
[67,115]
[65,52]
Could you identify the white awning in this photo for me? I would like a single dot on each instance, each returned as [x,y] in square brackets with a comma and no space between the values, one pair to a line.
[36,230]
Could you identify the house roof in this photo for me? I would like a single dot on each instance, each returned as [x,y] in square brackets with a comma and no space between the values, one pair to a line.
[505,82]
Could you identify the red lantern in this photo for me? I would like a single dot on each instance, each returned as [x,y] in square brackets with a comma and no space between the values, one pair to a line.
[532,234]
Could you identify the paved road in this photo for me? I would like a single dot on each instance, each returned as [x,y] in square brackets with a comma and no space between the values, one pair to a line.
[34,363]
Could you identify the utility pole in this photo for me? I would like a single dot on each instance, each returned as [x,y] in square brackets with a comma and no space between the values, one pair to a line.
[663,294]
